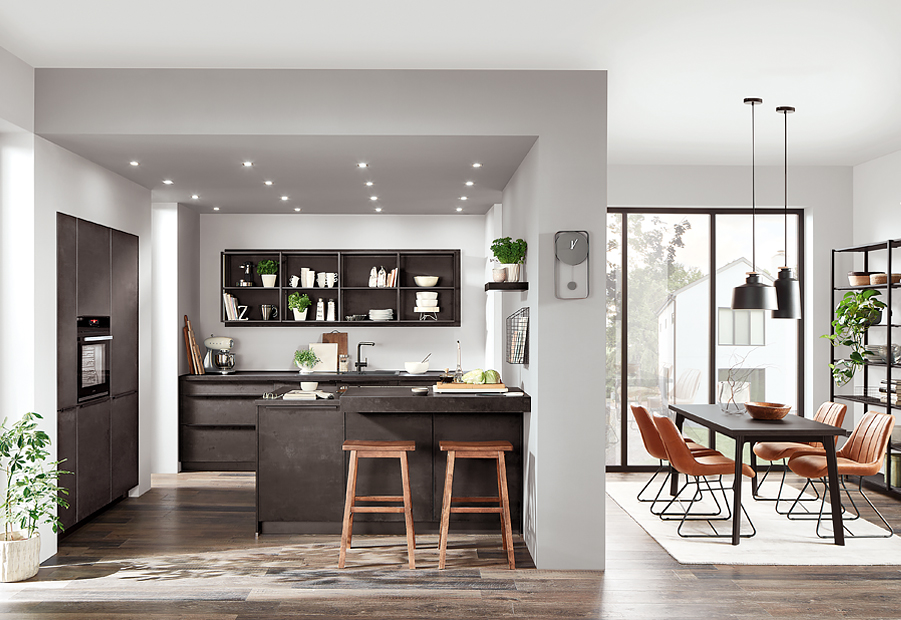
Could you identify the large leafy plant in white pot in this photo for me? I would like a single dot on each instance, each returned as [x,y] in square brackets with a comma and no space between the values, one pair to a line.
[30,496]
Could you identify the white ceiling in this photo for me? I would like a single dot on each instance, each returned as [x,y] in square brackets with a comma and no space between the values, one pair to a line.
[678,71]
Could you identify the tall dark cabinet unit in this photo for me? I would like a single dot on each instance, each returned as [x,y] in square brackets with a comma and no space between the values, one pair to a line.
[97,274]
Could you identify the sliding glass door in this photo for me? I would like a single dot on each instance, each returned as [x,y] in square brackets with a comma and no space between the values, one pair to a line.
[671,332]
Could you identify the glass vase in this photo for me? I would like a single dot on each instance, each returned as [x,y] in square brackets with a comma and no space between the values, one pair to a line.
[732,396]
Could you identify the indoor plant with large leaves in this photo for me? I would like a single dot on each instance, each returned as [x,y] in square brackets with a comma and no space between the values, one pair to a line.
[854,314]
[30,496]
[511,254]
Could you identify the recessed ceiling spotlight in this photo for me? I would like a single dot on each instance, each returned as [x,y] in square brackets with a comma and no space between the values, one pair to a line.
[373,198]
[477,165]
[463,198]
[167,181]
[284,198]
[459,209]
[215,208]
[362,165]
[194,196]
[469,184]
[297,208]
[378,209]
[267,183]
[134,163]
[247,164]
[368,183]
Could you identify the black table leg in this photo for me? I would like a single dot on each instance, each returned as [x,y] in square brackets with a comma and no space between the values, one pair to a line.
[834,496]
[736,490]
[754,487]
[674,475]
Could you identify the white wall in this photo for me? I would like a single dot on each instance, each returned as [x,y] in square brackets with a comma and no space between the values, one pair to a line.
[877,200]
[273,348]
[67,183]
[825,194]
[16,92]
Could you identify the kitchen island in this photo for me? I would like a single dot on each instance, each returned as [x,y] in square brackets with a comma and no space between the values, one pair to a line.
[301,468]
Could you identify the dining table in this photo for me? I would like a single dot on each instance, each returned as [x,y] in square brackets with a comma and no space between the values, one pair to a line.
[747,430]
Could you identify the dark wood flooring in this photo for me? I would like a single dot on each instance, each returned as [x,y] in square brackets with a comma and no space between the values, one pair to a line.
[186,550]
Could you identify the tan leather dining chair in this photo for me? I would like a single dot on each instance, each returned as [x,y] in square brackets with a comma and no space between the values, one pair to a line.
[772,451]
[654,446]
[862,455]
[700,467]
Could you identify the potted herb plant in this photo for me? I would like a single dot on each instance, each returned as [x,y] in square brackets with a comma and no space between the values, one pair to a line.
[267,270]
[511,254]
[30,497]
[854,315]
[305,359]
[299,304]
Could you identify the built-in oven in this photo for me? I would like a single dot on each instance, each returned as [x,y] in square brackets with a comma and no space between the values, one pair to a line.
[94,341]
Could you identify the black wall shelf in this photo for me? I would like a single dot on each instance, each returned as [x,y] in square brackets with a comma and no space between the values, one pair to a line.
[507,286]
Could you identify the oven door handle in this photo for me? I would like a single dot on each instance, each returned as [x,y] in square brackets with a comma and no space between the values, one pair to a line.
[96,338]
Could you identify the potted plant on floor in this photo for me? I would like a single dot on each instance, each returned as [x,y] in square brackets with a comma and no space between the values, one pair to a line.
[299,304]
[854,315]
[511,254]
[305,359]
[30,498]
[267,270]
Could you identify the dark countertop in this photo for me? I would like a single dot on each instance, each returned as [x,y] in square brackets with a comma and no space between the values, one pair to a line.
[289,375]
[398,399]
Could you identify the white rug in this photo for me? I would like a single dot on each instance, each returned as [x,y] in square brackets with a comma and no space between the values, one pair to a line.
[778,541]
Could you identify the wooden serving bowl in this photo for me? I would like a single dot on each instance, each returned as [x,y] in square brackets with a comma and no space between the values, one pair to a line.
[767,411]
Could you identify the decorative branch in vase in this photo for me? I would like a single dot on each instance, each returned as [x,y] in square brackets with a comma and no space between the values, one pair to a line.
[735,391]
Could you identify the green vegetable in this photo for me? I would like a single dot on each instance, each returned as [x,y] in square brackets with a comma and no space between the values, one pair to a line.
[298,302]
[476,376]
[492,376]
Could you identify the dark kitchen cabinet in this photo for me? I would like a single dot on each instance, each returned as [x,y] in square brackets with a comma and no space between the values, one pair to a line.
[300,471]
[124,313]
[93,269]
[92,471]
[123,443]
[66,294]
[66,451]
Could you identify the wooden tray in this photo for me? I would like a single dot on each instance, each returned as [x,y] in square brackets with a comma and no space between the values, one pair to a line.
[469,388]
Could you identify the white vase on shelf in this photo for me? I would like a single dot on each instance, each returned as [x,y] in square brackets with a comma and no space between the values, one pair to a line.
[300,315]
[512,272]
[269,279]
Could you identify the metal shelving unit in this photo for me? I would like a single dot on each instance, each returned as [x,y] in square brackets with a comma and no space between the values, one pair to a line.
[884,483]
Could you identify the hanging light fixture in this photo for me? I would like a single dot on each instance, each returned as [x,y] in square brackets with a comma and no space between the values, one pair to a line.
[788,289]
[753,294]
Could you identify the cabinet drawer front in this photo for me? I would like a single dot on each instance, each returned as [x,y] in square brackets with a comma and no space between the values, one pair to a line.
[225,388]
[217,410]
[217,445]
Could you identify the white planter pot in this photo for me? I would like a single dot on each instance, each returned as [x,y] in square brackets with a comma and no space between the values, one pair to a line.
[499,274]
[269,279]
[512,273]
[304,370]
[19,557]
[300,316]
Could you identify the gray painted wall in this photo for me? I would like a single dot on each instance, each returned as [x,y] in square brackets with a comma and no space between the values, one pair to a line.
[16,92]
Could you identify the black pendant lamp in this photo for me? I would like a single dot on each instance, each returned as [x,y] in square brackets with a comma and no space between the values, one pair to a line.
[788,289]
[753,294]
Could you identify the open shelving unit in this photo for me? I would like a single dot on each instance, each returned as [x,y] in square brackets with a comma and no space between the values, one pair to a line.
[351,293]
[879,369]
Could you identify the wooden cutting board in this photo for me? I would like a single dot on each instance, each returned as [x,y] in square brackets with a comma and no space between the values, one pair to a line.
[469,388]
[337,337]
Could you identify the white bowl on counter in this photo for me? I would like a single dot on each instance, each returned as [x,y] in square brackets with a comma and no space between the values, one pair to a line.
[425,280]
[416,368]
[309,386]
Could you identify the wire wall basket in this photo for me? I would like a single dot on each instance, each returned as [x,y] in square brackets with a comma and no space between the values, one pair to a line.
[518,337]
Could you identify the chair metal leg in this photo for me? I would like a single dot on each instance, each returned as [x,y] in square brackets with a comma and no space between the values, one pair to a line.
[848,534]
[713,491]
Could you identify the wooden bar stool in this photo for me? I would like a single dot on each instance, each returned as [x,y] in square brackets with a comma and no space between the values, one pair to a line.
[476,450]
[377,450]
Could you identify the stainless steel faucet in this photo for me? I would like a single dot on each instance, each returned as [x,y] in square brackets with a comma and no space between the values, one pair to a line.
[360,364]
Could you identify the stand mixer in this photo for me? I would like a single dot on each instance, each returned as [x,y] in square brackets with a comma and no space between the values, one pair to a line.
[219,358]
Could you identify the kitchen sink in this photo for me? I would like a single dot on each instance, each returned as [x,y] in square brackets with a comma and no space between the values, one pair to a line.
[375,372]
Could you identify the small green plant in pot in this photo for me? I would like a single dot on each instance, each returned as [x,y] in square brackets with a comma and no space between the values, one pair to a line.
[510,253]
[267,270]
[854,315]
[30,497]
[299,303]
[305,359]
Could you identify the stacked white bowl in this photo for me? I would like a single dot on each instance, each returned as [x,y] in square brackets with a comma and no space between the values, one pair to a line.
[426,301]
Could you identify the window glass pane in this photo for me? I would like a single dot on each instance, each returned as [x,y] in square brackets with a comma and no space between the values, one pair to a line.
[726,326]
[614,337]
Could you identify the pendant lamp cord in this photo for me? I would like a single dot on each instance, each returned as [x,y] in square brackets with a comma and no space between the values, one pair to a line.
[753,195]
[785,185]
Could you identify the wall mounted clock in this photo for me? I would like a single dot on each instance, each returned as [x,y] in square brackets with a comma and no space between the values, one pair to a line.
[571,264]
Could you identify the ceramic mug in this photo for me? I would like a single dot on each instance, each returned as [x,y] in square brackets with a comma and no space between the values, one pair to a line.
[311,278]
[330,279]
[295,281]
[320,279]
